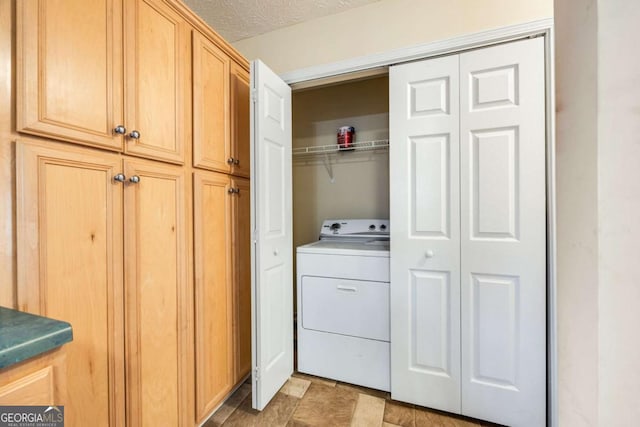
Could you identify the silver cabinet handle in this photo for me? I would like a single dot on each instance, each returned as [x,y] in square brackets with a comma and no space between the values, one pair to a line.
[119,177]
[134,179]
[236,162]
[233,190]
[231,160]
[134,134]
[121,130]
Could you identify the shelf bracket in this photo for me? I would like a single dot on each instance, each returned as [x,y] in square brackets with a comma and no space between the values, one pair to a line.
[327,165]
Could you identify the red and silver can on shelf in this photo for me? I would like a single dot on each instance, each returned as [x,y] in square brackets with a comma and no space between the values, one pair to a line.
[346,137]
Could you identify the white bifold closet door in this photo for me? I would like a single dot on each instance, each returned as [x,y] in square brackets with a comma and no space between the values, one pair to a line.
[477,320]
[272,233]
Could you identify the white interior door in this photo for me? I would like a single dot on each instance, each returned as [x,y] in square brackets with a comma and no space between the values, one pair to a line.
[503,233]
[271,222]
[425,237]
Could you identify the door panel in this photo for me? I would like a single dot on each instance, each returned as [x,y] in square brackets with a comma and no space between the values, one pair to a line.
[503,233]
[157,317]
[213,291]
[70,70]
[425,247]
[272,290]
[211,121]
[242,275]
[156,80]
[69,236]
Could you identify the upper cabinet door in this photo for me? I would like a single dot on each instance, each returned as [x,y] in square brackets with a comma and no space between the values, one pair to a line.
[211,140]
[156,68]
[69,71]
[240,124]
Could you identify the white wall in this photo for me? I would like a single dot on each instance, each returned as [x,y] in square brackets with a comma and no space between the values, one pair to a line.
[383,26]
[598,147]
[619,211]
[577,211]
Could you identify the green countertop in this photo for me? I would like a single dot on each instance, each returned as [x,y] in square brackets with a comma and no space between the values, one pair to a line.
[24,335]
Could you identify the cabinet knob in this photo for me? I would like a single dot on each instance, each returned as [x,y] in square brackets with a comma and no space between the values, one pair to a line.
[119,177]
[121,130]
[236,161]
[231,160]
[134,179]
[429,254]
[134,134]
[233,190]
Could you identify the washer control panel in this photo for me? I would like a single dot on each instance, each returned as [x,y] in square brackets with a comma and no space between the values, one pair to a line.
[355,227]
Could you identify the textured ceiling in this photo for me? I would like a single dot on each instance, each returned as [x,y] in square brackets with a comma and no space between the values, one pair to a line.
[240,19]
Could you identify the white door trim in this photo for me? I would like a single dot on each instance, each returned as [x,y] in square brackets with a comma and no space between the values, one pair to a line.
[543,27]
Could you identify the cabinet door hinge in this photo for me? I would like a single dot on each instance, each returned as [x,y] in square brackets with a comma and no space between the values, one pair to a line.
[256,373]
[254,95]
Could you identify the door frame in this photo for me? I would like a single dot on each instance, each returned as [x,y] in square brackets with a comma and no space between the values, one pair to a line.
[540,28]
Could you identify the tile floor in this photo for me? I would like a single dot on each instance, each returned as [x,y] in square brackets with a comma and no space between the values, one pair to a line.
[311,401]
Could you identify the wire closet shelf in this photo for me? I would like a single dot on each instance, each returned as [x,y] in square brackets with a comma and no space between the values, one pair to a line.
[380,144]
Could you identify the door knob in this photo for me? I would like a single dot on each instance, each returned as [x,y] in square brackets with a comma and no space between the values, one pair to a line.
[134,179]
[134,134]
[120,130]
[119,177]
[429,254]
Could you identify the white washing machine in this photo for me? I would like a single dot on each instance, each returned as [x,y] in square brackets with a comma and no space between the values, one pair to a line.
[343,303]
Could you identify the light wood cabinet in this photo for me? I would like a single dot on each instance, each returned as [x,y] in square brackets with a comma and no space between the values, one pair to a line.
[214,316]
[69,216]
[220,110]
[222,286]
[157,80]
[37,381]
[240,125]
[157,287]
[110,257]
[211,127]
[241,220]
[81,74]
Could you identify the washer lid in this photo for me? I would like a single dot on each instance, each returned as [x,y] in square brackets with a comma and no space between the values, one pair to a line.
[371,247]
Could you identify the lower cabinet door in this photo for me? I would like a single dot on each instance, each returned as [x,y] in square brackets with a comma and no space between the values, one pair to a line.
[158,348]
[214,350]
[37,381]
[69,246]
[241,219]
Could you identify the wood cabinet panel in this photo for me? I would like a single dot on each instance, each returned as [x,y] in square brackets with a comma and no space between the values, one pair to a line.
[69,217]
[241,217]
[156,80]
[69,70]
[240,125]
[213,291]
[157,288]
[37,381]
[211,133]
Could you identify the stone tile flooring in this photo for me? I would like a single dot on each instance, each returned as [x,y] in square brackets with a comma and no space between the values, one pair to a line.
[306,400]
